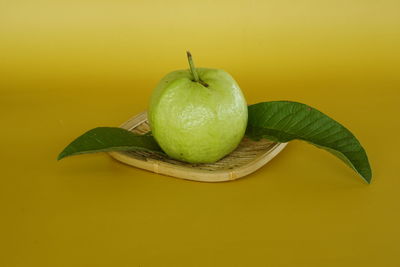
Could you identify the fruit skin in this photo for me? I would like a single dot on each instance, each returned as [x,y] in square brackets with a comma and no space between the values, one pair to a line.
[195,123]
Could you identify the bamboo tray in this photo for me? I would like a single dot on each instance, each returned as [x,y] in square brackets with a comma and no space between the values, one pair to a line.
[248,157]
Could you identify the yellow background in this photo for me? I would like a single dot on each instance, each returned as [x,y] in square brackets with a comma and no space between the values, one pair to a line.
[69,66]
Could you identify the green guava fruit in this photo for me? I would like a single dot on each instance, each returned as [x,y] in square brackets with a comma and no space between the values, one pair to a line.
[197,115]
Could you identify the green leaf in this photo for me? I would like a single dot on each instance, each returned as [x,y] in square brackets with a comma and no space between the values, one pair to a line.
[105,139]
[283,121]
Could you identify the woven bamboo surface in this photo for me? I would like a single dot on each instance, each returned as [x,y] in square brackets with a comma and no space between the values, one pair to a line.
[248,157]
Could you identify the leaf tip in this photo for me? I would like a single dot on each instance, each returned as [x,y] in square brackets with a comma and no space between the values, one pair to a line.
[367,177]
[61,155]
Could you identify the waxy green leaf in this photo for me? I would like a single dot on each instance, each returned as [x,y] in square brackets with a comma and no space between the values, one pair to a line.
[105,139]
[283,121]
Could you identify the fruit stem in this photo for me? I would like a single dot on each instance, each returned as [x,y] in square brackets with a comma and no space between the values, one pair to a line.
[193,69]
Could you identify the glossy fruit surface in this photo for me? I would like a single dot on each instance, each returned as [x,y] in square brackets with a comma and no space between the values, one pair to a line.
[198,122]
